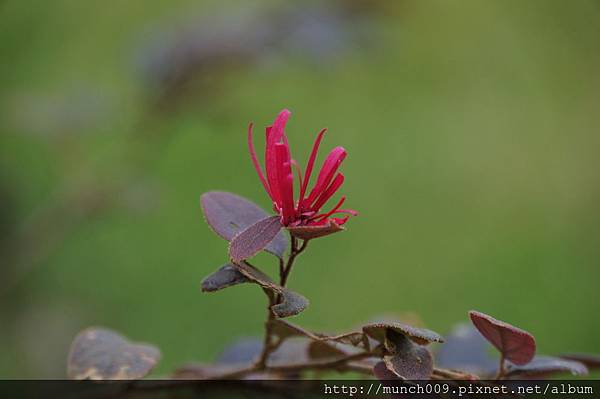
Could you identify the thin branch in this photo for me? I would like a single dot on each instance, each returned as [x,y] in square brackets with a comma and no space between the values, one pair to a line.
[284,271]
[501,368]
[281,267]
[303,247]
[445,374]
[283,276]
[361,368]
[268,346]
[295,251]
[321,365]
[339,364]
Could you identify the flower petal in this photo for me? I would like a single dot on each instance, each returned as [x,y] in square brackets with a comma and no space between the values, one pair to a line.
[330,167]
[274,136]
[255,161]
[254,238]
[309,166]
[298,171]
[285,182]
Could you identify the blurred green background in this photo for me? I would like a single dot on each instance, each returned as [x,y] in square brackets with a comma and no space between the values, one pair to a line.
[472,133]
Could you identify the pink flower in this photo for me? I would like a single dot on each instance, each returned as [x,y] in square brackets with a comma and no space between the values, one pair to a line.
[303,214]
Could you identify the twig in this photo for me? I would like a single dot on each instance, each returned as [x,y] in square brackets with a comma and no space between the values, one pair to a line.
[501,368]
[321,365]
[268,346]
[284,272]
[339,364]
[295,251]
[446,374]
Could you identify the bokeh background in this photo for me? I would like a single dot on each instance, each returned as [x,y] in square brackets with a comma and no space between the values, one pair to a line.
[472,132]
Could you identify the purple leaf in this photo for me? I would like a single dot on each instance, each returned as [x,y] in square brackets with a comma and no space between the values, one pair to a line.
[421,336]
[227,276]
[102,354]
[382,373]
[414,365]
[228,214]
[291,304]
[406,359]
[543,366]
[516,345]
[254,238]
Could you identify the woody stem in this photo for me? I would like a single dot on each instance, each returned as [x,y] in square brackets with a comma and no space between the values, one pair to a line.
[501,368]
[294,252]
[269,345]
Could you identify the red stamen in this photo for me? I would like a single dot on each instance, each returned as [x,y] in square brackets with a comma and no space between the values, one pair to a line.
[332,211]
[341,221]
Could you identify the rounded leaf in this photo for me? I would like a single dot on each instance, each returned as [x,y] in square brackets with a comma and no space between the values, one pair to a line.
[516,345]
[406,359]
[421,336]
[291,304]
[254,238]
[226,276]
[228,214]
[102,354]
[383,373]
